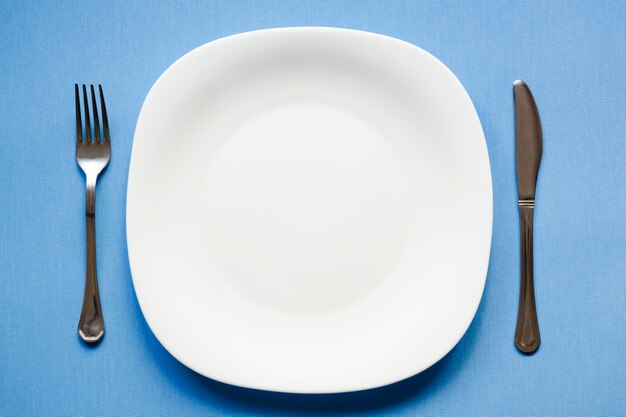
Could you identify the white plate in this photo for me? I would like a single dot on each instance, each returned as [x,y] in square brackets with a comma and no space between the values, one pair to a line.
[309,210]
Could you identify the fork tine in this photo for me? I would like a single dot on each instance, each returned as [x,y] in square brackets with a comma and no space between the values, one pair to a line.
[105,119]
[79,123]
[96,122]
[87,122]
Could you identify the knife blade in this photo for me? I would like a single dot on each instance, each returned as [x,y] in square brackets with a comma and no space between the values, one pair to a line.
[528,152]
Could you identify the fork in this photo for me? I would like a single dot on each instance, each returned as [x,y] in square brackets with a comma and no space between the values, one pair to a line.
[93,155]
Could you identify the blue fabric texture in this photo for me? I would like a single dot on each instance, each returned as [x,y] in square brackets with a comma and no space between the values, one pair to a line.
[572,55]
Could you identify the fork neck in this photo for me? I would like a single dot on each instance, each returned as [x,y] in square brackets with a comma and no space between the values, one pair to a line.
[90,205]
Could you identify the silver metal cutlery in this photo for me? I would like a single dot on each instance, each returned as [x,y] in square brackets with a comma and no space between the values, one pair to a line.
[93,153]
[528,151]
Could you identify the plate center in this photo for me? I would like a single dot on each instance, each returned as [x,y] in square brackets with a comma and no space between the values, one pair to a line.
[306,206]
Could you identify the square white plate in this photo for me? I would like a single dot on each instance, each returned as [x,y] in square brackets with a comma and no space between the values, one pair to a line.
[309,210]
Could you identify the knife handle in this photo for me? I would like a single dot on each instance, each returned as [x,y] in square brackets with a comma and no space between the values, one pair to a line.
[527,337]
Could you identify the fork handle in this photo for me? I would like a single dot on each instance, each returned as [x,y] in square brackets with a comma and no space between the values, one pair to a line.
[91,323]
[527,337]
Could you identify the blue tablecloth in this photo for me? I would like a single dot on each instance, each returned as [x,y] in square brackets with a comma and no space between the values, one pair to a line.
[571,53]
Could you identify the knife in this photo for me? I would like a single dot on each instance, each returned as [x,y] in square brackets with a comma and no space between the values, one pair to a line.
[528,150]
